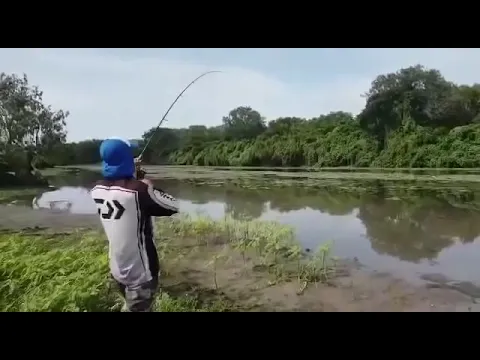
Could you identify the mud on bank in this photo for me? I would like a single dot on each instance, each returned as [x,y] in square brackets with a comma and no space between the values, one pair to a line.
[205,268]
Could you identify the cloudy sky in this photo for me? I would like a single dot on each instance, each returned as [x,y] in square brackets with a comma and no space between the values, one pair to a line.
[123,92]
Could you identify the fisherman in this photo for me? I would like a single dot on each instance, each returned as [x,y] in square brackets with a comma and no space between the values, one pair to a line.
[126,206]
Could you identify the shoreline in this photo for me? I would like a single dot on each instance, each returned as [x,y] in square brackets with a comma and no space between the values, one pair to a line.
[196,254]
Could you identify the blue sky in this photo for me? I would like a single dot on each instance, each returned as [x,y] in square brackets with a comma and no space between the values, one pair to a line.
[123,92]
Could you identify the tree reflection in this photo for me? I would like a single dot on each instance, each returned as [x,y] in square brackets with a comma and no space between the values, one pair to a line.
[414,230]
[333,204]
[252,203]
[240,203]
[249,204]
[411,228]
[196,194]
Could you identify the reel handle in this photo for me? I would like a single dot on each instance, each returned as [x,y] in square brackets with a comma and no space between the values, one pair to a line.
[139,171]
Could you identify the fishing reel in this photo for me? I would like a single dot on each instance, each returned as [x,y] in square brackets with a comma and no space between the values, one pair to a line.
[139,171]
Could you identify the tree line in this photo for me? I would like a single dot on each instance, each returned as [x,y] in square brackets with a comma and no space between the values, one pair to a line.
[413,117]
[30,131]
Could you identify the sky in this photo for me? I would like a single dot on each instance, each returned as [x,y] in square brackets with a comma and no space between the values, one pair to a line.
[123,92]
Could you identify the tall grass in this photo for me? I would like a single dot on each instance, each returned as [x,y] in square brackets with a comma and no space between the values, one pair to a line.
[61,273]
[267,244]
[69,272]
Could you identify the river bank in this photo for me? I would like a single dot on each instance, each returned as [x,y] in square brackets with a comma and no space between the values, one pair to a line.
[57,261]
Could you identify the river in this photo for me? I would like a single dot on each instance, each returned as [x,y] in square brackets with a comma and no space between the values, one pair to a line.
[408,237]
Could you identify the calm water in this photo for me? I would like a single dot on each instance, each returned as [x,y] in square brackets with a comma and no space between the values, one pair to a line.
[409,237]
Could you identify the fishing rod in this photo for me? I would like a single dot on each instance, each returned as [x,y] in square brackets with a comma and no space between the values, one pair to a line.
[170,108]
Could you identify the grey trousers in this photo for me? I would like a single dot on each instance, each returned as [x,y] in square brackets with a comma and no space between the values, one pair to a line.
[139,298]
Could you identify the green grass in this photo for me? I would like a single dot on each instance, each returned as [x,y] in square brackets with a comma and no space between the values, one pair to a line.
[69,271]
[23,195]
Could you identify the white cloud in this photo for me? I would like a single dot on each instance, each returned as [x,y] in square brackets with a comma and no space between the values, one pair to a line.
[110,94]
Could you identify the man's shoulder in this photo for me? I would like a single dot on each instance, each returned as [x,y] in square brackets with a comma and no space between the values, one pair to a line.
[130,184]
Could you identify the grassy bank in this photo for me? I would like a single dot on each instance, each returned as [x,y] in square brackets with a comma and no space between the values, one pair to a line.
[207,265]
[19,195]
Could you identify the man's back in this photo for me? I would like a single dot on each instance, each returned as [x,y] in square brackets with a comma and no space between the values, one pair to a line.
[125,208]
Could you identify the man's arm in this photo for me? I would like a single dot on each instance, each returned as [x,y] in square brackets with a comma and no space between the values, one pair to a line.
[159,203]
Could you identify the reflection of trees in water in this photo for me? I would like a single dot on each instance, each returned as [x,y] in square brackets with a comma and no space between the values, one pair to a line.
[417,229]
[252,203]
[333,204]
[238,202]
[411,229]
[196,194]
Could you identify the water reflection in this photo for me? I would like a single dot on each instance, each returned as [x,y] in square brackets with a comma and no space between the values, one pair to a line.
[418,230]
[407,236]
[73,199]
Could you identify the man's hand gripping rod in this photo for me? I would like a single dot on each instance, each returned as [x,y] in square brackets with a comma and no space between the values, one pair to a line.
[140,173]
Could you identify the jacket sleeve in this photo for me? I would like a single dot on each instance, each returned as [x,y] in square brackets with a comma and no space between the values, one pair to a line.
[159,203]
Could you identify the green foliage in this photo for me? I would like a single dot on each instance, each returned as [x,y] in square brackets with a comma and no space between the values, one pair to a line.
[52,275]
[289,142]
[30,131]
[412,118]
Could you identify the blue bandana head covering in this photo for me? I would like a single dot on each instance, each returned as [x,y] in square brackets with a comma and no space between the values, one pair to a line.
[117,158]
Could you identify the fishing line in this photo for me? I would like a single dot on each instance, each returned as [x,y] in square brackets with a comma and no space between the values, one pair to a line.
[171,106]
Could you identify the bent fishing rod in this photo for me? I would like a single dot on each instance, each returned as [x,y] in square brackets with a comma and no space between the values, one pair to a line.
[171,106]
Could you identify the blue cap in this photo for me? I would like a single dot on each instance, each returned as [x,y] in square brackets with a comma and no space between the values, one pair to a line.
[117,158]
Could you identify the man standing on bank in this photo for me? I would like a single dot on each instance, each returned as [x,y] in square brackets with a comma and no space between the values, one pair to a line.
[126,206]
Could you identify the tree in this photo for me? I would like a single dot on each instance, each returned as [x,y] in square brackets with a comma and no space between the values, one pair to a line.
[243,123]
[28,128]
[413,92]
[284,125]
[24,119]
[164,142]
[413,117]
[333,119]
